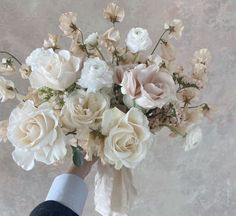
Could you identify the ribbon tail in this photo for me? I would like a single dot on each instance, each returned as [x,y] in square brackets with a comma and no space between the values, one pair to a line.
[114,191]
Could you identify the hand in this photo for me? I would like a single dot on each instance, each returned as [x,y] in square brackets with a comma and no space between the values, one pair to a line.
[83,170]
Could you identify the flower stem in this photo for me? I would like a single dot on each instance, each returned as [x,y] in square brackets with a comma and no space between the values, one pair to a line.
[173,129]
[100,53]
[158,42]
[192,107]
[136,57]
[17,60]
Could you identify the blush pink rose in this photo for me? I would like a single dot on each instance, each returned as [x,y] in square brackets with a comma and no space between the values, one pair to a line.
[149,87]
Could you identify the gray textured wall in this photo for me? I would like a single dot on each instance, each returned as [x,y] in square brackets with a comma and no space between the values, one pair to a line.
[170,182]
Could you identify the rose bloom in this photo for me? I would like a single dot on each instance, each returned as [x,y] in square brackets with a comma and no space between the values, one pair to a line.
[3,131]
[193,138]
[92,40]
[202,56]
[138,40]
[176,28]
[68,24]
[127,136]
[83,109]
[95,75]
[49,69]
[150,88]
[36,135]
[114,13]
[6,89]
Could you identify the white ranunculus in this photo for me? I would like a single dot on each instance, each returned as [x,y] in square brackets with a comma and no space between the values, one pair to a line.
[127,136]
[138,40]
[92,40]
[95,75]
[83,109]
[193,138]
[54,70]
[36,135]
[3,130]
[6,89]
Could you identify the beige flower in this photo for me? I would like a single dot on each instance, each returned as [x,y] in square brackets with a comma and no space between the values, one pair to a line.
[33,95]
[110,38]
[168,52]
[7,68]
[127,136]
[25,71]
[68,24]
[84,109]
[200,72]
[175,28]
[3,131]
[7,89]
[202,56]
[52,42]
[92,142]
[193,115]
[114,13]
[187,95]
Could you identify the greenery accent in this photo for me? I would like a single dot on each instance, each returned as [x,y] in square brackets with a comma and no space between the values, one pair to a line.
[78,156]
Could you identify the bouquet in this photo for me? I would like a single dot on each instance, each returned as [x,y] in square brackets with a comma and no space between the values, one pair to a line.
[101,98]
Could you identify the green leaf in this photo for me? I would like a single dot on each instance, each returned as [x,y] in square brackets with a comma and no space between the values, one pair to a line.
[78,157]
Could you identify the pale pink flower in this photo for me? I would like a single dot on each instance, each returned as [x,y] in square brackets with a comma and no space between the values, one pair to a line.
[150,88]
[114,13]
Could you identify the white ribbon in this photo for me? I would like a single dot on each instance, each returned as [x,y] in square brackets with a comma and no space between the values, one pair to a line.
[114,191]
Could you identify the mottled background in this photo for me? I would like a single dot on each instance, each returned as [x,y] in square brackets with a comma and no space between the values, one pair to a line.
[170,182]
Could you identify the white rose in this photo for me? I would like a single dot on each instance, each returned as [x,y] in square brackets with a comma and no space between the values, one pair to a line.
[6,89]
[84,109]
[92,40]
[138,40]
[193,138]
[3,130]
[126,137]
[95,75]
[56,71]
[36,135]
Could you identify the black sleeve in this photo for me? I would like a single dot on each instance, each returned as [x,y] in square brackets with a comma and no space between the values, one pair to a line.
[52,208]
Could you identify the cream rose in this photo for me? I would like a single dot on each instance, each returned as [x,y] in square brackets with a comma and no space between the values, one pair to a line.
[138,40]
[148,87]
[36,135]
[6,89]
[54,70]
[84,109]
[126,137]
[95,75]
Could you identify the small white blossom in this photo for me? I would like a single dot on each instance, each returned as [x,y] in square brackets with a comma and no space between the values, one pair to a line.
[138,40]
[193,138]
[7,89]
[202,56]
[92,40]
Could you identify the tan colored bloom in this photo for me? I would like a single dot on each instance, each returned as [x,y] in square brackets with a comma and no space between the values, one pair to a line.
[168,52]
[110,38]
[68,24]
[33,95]
[188,94]
[7,68]
[92,142]
[114,13]
[7,89]
[175,28]
[3,131]
[193,115]
[25,71]
[200,72]
[52,42]
[202,56]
